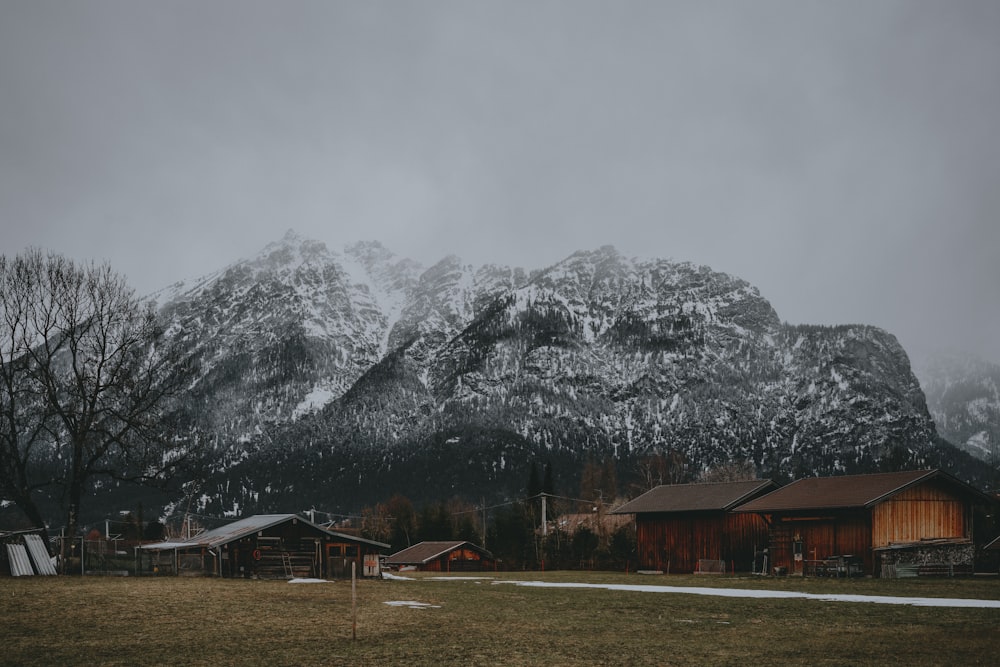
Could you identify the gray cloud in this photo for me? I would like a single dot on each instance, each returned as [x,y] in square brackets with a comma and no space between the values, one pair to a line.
[841,156]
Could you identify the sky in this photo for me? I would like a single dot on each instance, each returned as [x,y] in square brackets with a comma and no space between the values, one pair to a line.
[843,157]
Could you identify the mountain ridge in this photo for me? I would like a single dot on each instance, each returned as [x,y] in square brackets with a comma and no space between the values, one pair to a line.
[351,368]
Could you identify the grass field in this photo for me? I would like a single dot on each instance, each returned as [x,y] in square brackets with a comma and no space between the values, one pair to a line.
[187,621]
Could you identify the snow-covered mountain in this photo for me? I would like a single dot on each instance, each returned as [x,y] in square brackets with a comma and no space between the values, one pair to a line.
[339,377]
[963,395]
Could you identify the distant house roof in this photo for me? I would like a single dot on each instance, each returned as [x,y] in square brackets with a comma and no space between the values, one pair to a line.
[849,491]
[244,528]
[695,497]
[425,552]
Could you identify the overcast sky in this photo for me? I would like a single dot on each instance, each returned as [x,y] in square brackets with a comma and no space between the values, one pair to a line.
[842,156]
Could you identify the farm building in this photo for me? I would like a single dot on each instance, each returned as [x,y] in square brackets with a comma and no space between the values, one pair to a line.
[265,546]
[453,556]
[886,524]
[678,525]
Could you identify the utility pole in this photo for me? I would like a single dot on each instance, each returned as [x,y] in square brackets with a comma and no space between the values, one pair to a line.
[545,523]
[354,600]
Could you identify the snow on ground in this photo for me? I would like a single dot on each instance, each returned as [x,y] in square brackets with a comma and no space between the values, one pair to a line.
[412,605]
[308,581]
[314,401]
[746,593]
[743,593]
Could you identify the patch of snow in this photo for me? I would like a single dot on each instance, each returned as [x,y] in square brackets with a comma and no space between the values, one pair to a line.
[765,594]
[308,581]
[412,604]
[313,401]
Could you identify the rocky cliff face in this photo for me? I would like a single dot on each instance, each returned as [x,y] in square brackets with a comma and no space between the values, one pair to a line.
[963,394]
[339,378]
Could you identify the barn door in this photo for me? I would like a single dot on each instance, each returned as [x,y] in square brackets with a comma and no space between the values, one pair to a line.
[818,542]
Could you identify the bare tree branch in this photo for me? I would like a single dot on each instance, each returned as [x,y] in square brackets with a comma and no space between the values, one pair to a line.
[87,388]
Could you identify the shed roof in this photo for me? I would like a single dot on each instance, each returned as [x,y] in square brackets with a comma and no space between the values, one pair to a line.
[719,496]
[425,552]
[245,527]
[849,491]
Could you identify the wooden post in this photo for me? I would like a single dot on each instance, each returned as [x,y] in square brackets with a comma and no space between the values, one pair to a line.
[354,600]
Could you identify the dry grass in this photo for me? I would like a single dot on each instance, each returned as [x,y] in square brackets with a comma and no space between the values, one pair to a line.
[181,621]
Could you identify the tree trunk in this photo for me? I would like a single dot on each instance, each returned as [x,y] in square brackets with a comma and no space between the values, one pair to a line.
[73,507]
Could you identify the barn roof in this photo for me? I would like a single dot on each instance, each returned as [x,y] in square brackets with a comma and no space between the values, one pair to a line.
[719,496]
[425,552]
[849,491]
[245,527]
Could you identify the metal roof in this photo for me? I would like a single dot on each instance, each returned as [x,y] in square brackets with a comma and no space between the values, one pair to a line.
[847,491]
[246,527]
[425,552]
[719,496]
[39,555]
[17,556]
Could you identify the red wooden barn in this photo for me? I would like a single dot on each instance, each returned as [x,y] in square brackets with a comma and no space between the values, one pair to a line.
[910,519]
[450,556]
[677,525]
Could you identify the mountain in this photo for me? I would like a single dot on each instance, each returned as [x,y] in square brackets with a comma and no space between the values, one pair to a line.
[339,377]
[963,395]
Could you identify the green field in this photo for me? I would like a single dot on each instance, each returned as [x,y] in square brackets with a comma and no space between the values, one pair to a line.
[189,621]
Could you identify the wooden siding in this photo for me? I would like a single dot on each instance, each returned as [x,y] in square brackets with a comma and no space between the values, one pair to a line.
[835,534]
[675,542]
[925,511]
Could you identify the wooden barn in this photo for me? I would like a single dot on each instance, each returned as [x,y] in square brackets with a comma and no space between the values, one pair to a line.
[870,524]
[452,556]
[678,525]
[270,546]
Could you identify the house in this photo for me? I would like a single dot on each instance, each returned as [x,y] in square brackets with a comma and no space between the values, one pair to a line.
[679,525]
[265,546]
[451,556]
[885,523]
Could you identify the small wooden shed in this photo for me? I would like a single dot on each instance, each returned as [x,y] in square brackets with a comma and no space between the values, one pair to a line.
[265,546]
[869,524]
[451,556]
[679,525]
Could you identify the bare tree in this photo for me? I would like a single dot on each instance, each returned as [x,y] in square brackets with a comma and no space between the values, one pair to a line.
[732,471]
[86,386]
[660,468]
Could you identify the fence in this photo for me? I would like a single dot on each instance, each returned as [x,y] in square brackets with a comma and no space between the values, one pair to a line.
[97,557]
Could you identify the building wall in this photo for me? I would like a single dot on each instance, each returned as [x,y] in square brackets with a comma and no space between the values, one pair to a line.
[821,536]
[459,560]
[675,542]
[925,511]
